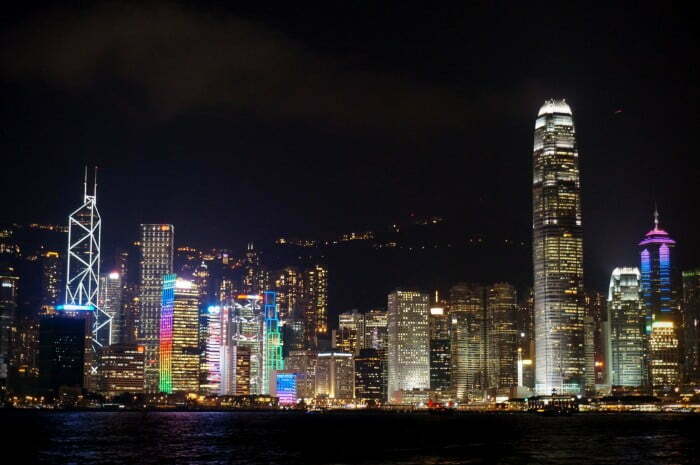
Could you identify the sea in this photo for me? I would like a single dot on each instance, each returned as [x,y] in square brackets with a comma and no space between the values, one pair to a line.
[288,438]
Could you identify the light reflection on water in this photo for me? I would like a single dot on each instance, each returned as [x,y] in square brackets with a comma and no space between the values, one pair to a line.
[344,438]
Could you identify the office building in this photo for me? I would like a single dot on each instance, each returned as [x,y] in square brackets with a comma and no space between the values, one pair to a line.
[51,277]
[121,370]
[248,332]
[288,285]
[315,304]
[557,253]
[468,343]
[408,342]
[440,352]
[369,376]
[179,343]
[284,387]
[272,341]
[8,316]
[627,339]
[660,307]
[502,335]
[156,247]
[303,362]
[335,375]
[64,340]
[349,337]
[690,310]
[110,301]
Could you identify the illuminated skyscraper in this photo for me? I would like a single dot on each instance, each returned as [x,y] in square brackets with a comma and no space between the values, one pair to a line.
[335,375]
[255,278]
[215,349]
[626,333]
[110,302]
[350,333]
[369,376]
[467,310]
[121,369]
[408,342]
[660,309]
[440,355]
[303,362]
[248,332]
[51,279]
[8,313]
[179,325]
[272,342]
[691,327]
[315,303]
[502,335]
[557,253]
[288,284]
[156,246]
[82,276]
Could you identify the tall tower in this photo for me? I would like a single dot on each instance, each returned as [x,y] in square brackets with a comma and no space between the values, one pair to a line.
[409,342]
[660,309]
[627,339]
[272,341]
[83,270]
[557,253]
[156,246]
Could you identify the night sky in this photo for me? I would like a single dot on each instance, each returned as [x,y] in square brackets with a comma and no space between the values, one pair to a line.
[240,123]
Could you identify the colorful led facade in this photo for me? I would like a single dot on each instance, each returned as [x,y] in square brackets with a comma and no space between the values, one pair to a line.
[557,253]
[156,260]
[214,348]
[179,328]
[248,332]
[626,323]
[272,344]
[286,387]
[165,378]
[662,322]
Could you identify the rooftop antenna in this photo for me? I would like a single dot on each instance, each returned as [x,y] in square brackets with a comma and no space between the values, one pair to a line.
[656,216]
[94,187]
[85,184]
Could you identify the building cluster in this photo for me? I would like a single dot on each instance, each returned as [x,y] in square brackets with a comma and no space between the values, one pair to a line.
[190,324]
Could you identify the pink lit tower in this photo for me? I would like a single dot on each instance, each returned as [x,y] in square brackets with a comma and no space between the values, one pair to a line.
[660,310]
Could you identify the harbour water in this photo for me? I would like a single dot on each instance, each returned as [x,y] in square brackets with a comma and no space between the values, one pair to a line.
[347,438]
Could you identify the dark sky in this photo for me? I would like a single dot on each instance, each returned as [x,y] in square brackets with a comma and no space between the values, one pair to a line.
[239,123]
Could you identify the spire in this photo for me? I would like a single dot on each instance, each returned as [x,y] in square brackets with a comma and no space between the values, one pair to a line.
[656,216]
[94,186]
[85,185]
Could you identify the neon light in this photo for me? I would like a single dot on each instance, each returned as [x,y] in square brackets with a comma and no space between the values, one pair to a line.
[249,297]
[286,387]
[165,383]
[437,311]
[662,324]
[74,307]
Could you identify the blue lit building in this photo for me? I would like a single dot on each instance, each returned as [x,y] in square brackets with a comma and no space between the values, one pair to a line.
[656,266]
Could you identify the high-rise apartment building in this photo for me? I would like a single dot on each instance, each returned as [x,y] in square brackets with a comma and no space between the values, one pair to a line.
[179,341]
[110,301]
[557,253]
[660,309]
[691,327]
[626,333]
[408,342]
[156,244]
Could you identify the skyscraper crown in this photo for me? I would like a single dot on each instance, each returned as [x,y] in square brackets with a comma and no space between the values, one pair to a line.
[554,106]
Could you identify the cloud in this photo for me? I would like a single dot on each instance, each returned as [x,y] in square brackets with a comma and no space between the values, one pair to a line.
[180,60]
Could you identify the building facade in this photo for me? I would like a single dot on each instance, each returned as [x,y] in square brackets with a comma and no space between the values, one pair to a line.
[335,375]
[627,339]
[408,342]
[156,246]
[121,370]
[691,327]
[110,301]
[557,253]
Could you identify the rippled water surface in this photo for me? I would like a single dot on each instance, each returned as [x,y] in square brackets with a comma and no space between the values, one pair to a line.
[346,438]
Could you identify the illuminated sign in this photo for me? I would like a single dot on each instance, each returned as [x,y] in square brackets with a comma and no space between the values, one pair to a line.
[75,308]
[437,311]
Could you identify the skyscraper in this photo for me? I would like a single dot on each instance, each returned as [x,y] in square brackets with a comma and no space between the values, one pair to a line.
[272,341]
[691,327]
[627,339]
[660,309]
[368,375]
[110,302]
[179,341]
[440,356]
[557,252]
[51,279]
[8,313]
[502,335]
[350,332]
[156,246]
[335,375]
[409,342]
[315,303]
[467,310]
[248,332]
